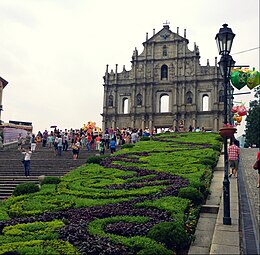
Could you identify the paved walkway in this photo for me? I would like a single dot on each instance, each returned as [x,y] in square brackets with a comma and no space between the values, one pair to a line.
[248,158]
[212,237]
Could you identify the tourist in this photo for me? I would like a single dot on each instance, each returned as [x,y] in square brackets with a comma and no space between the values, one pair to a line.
[44,138]
[59,145]
[38,139]
[27,161]
[83,140]
[233,156]
[65,143]
[33,143]
[134,137]
[50,139]
[112,146]
[107,140]
[98,139]
[75,149]
[102,147]
[55,144]
[88,141]
[20,141]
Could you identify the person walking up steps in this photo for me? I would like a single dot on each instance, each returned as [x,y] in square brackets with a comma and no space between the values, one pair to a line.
[233,156]
[27,161]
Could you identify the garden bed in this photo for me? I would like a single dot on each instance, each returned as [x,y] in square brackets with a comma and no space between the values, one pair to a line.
[141,200]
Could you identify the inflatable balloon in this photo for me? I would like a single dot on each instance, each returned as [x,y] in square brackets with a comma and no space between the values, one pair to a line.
[253,78]
[238,119]
[234,109]
[238,78]
[241,110]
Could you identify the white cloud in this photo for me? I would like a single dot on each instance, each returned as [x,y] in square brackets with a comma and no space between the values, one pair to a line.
[54,52]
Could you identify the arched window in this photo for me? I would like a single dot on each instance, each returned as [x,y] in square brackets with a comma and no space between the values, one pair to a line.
[110,100]
[189,98]
[164,103]
[205,102]
[164,72]
[221,96]
[139,99]
[125,105]
[164,51]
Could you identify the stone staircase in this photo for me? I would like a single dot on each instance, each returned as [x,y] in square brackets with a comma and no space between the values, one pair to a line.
[43,162]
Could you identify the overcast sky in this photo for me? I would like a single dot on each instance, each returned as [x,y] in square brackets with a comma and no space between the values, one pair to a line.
[54,53]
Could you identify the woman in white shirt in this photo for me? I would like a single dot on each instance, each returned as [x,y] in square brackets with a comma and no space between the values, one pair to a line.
[27,161]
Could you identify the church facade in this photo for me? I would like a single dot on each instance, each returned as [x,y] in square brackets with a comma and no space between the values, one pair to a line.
[165,88]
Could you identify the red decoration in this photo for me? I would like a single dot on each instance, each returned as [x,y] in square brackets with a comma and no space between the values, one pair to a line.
[241,110]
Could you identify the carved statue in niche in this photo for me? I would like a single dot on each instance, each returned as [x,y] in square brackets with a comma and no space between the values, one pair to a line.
[139,99]
[189,68]
[148,72]
[156,70]
[110,101]
[172,69]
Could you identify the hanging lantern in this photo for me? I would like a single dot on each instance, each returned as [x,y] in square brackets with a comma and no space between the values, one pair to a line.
[238,78]
[253,79]
[241,110]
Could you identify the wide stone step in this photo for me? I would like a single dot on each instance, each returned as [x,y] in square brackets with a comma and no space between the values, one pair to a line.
[3,197]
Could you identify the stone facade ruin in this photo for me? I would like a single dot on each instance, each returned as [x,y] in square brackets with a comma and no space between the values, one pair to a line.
[165,88]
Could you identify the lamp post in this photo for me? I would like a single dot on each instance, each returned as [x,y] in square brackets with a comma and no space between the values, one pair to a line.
[224,40]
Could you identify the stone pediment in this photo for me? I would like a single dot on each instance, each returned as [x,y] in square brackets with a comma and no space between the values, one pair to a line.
[164,35]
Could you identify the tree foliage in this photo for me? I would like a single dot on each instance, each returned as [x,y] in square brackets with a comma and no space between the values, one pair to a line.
[253,121]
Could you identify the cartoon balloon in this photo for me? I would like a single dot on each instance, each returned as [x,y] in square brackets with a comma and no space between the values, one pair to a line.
[241,110]
[239,119]
[253,78]
[234,109]
[238,78]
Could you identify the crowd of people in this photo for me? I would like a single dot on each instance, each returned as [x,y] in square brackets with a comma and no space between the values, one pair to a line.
[95,140]
[76,139]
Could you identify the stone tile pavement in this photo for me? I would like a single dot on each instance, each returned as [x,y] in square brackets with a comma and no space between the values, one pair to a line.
[248,158]
[212,237]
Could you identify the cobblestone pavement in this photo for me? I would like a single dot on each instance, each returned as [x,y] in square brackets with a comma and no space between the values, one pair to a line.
[248,158]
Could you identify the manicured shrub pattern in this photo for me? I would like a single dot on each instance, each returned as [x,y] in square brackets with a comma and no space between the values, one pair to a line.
[123,204]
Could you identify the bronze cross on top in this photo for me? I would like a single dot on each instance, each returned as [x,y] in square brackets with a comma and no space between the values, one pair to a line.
[166,23]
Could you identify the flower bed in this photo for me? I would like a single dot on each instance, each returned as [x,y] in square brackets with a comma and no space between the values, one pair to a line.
[119,206]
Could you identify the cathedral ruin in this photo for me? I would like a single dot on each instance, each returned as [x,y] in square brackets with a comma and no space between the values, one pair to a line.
[165,88]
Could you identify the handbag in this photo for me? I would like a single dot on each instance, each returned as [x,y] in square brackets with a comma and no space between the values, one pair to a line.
[256,165]
[74,147]
[22,161]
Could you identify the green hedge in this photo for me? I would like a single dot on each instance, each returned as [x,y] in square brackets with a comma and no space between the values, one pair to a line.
[191,193]
[172,234]
[25,188]
[50,180]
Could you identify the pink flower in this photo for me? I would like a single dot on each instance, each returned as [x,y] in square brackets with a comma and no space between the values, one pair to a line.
[229,125]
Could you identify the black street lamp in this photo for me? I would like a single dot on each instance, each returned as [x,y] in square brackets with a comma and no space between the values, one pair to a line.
[224,40]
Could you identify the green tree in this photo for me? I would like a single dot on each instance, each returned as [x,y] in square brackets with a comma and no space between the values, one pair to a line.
[253,121]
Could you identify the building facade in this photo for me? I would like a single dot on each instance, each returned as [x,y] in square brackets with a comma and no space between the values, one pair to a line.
[165,88]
